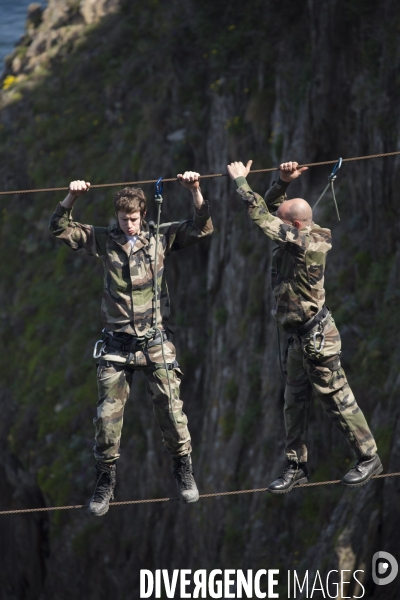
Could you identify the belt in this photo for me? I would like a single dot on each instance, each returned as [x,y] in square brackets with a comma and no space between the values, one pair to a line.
[309,325]
[126,345]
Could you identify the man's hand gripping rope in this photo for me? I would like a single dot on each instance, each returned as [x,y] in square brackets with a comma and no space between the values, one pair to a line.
[288,171]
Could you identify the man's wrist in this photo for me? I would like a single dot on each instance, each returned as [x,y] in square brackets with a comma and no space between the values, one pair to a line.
[197,196]
[69,200]
[201,209]
[241,180]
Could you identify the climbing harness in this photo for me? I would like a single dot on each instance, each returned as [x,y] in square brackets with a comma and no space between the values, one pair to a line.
[210,176]
[154,334]
[159,199]
[320,317]
[317,320]
[128,345]
[331,179]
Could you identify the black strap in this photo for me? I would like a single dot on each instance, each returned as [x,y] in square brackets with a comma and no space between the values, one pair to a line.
[307,327]
[126,345]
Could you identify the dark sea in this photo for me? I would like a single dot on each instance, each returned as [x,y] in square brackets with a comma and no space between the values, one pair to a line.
[12,24]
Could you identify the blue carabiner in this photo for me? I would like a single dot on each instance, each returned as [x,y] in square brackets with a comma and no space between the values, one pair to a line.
[331,179]
[159,188]
[336,168]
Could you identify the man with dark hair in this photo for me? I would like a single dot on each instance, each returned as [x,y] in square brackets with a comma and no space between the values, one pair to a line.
[133,340]
[314,346]
[130,200]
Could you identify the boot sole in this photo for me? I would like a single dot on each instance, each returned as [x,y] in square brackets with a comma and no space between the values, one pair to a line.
[99,513]
[289,489]
[353,485]
[104,510]
[190,500]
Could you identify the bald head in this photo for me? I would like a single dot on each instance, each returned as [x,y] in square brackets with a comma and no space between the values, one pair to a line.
[296,212]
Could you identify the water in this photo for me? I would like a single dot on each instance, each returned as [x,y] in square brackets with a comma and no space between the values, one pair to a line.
[12,24]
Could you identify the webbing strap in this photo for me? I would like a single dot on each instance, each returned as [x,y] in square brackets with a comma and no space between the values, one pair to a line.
[159,199]
[331,179]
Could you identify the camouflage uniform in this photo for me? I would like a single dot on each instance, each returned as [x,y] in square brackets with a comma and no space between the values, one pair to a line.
[297,280]
[128,312]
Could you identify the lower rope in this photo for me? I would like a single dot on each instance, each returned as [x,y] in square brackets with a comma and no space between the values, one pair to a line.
[154,500]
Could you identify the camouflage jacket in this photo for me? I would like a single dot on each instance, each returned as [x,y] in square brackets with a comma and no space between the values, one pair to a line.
[298,262]
[128,303]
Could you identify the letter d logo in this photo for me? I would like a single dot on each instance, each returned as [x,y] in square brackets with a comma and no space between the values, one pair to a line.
[384,568]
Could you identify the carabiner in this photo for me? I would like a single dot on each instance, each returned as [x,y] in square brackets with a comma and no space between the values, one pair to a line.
[322,343]
[336,168]
[159,188]
[331,179]
[97,354]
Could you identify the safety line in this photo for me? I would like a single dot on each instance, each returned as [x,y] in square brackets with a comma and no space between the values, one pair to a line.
[145,181]
[155,500]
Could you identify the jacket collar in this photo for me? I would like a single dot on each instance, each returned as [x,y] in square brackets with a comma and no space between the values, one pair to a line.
[119,237]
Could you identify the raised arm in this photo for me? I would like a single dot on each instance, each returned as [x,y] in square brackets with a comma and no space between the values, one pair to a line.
[74,234]
[277,193]
[185,233]
[276,229]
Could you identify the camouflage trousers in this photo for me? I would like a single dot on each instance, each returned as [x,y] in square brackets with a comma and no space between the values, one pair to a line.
[311,368]
[114,382]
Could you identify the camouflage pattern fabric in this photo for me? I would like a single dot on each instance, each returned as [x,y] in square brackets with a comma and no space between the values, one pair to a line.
[298,264]
[310,369]
[128,299]
[114,382]
[297,281]
[128,309]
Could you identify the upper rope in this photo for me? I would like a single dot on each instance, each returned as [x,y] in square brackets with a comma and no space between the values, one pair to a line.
[210,176]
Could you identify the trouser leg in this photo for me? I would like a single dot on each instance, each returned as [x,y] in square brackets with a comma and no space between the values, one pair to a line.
[113,387]
[341,406]
[175,432]
[329,381]
[297,405]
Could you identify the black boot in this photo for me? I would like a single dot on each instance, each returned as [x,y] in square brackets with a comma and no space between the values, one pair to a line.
[106,477]
[293,474]
[362,471]
[183,473]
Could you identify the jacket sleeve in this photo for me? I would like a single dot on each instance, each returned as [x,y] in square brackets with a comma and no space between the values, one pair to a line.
[182,234]
[276,195]
[272,226]
[77,236]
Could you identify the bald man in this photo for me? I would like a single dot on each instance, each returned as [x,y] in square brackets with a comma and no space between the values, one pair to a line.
[314,347]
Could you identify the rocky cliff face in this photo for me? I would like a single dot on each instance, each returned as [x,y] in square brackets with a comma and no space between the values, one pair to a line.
[118,92]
